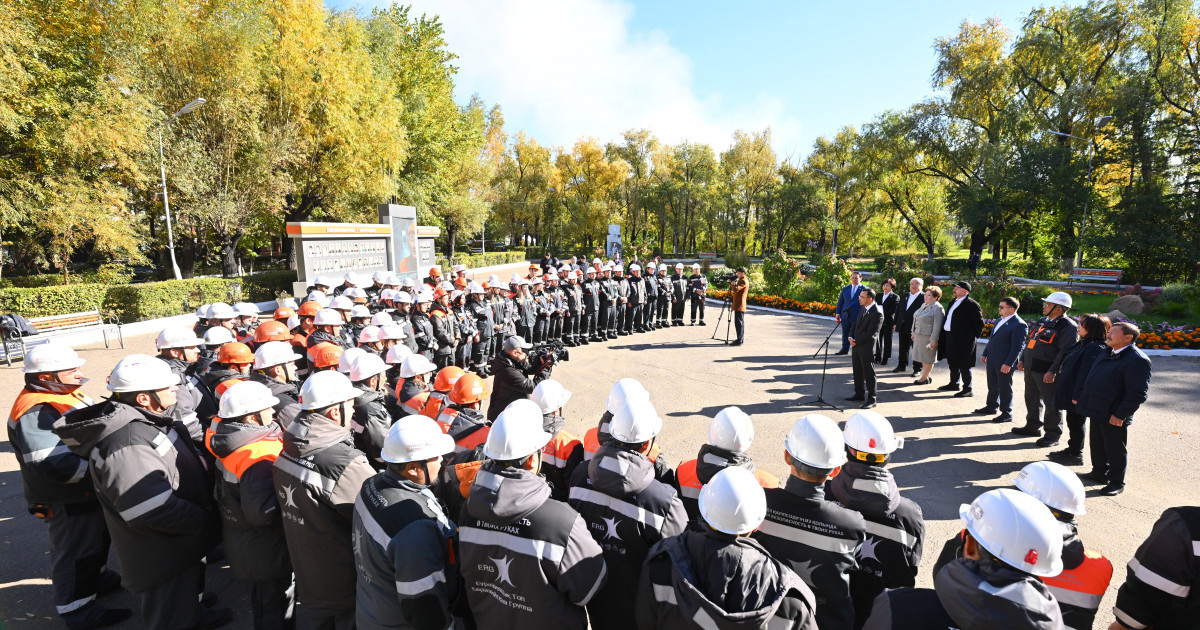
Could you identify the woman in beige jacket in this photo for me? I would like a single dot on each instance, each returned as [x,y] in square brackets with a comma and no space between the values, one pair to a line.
[926,330]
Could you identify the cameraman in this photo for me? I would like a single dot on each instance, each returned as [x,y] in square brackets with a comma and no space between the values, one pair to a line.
[739,290]
[515,377]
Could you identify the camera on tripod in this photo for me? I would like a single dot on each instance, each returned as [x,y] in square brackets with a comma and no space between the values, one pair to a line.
[547,354]
[728,277]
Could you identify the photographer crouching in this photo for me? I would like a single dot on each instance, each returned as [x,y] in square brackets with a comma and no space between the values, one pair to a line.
[517,373]
[739,290]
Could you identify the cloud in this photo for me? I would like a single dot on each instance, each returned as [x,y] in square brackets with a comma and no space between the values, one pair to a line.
[562,70]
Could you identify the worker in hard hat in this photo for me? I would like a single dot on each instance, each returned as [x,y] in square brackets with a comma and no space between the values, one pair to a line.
[818,538]
[564,452]
[417,372]
[461,417]
[528,561]
[154,489]
[371,420]
[58,489]
[180,349]
[232,366]
[404,542]
[481,309]
[246,441]
[1086,574]
[730,435]
[1011,541]
[626,509]
[222,315]
[275,367]
[327,328]
[324,356]
[1041,358]
[594,438]
[895,525]
[1163,578]
[317,477]
[714,575]
[468,330]
[445,330]
[439,394]
[214,338]
[246,321]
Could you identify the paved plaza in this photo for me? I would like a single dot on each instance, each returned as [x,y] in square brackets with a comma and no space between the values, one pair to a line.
[950,455]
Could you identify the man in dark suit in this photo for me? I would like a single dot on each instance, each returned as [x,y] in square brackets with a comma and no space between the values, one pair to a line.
[1000,358]
[847,309]
[909,304]
[889,303]
[964,322]
[866,333]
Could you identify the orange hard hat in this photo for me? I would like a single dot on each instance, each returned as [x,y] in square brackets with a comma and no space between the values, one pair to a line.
[272,330]
[235,353]
[283,313]
[435,271]
[468,389]
[446,378]
[326,355]
[460,282]
[439,293]
[309,309]
[546,277]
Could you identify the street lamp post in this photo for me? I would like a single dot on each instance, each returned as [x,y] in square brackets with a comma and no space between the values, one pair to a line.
[1091,153]
[162,167]
[833,248]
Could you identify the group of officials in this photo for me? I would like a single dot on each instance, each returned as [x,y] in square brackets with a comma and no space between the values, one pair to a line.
[354,475]
[1088,368]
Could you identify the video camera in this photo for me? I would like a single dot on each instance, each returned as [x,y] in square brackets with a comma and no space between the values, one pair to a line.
[727,277]
[546,355]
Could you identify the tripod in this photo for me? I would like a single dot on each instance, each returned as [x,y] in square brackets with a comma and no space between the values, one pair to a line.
[728,320]
[820,401]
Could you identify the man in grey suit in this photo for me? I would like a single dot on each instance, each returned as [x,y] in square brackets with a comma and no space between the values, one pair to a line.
[1000,359]
[862,339]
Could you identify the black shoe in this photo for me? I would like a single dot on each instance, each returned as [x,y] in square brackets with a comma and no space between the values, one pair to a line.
[1094,477]
[109,581]
[927,381]
[214,618]
[1027,431]
[1111,490]
[870,404]
[899,369]
[841,352]
[916,372]
[1047,441]
[101,617]
[702,323]
[984,411]
[735,342]
[692,324]
[965,393]
[1004,417]
[1066,457]
[856,397]
[949,387]
[208,600]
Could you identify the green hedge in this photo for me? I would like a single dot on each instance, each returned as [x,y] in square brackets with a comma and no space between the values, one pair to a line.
[137,302]
[947,266]
[473,261]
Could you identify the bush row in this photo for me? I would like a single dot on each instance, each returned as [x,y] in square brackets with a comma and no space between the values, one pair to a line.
[473,261]
[946,266]
[137,302]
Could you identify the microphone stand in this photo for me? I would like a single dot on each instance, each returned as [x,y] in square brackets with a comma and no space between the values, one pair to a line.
[820,401]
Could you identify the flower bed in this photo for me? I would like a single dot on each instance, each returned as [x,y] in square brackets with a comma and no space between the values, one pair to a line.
[781,303]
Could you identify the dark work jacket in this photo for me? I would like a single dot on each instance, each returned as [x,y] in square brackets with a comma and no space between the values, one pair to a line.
[1116,385]
[904,314]
[443,331]
[958,345]
[511,383]
[50,472]
[288,405]
[1076,362]
[820,540]
[1172,601]
[423,334]
[153,486]
[484,318]
[637,290]
[697,287]
[1047,344]
[370,425]
[591,295]
[679,285]
[195,403]
[320,336]
[866,329]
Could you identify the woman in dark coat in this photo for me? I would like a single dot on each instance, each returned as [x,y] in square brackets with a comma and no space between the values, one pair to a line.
[1079,358]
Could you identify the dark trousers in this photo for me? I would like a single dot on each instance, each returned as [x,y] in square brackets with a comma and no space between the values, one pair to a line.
[610,321]
[463,353]
[864,370]
[481,351]
[960,373]
[273,604]
[556,327]
[633,318]
[648,313]
[524,332]
[1000,391]
[1039,395]
[587,327]
[1076,430]
[618,323]
[602,320]
[883,350]
[78,550]
[442,360]
[175,602]
[539,329]
[327,619]
[847,326]
[697,305]
[572,331]
[1109,456]
[664,311]
[739,325]
[677,312]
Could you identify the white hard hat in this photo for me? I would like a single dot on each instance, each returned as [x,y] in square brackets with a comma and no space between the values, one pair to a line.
[403,297]
[360,310]
[1017,529]
[221,310]
[493,280]
[621,391]
[397,354]
[341,303]
[293,321]
[290,303]
[649,266]
[328,317]
[325,281]
[1054,485]
[446,285]
[52,356]
[517,432]
[246,309]
[274,353]
[607,267]
[515,279]
[454,294]
[459,267]
[537,281]
[393,280]
[590,270]
[369,334]
[595,261]
[202,311]
[870,432]
[475,287]
[389,295]
[679,265]
[410,283]
[416,364]
[424,296]
[325,389]
[731,430]
[416,439]
[177,336]
[347,359]
[316,296]
[635,267]
[366,365]
[354,292]
[381,319]
[391,331]
[815,440]
[245,398]
[695,265]
[218,335]
[379,276]
[350,277]
[1060,298]
[550,395]
[733,502]
[635,422]
[141,373]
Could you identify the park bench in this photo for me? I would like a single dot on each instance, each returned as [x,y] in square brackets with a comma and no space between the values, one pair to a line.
[15,346]
[1112,276]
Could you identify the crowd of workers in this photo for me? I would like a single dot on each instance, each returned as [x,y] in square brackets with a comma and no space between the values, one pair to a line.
[344,461]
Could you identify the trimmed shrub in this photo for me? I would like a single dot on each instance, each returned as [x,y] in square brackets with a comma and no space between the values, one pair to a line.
[54,300]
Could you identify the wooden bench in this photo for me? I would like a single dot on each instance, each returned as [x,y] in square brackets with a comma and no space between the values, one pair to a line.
[15,346]
[1112,276]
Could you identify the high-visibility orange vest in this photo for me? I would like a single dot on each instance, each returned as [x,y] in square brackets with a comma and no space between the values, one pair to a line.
[239,461]
[226,384]
[464,474]
[433,404]
[446,417]
[1083,586]
[472,439]
[591,444]
[62,403]
[689,481]
[558,450]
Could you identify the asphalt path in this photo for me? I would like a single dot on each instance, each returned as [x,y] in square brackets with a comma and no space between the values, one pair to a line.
[950,455]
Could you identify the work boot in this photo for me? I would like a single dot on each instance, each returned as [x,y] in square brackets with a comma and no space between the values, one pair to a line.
[102,617]
[949,387]
[966,392]
[1066,457]
[1047,441]
[1027,431]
